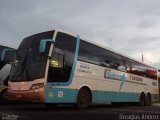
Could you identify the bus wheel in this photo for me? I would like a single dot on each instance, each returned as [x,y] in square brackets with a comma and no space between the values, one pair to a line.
[148,100]
[4,96]
[83,98]
[142,99]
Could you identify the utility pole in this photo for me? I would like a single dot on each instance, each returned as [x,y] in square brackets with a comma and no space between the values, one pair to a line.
[142,58]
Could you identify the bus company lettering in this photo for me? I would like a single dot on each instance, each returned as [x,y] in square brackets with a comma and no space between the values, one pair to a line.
[111,75]
[85,68]
[135,78]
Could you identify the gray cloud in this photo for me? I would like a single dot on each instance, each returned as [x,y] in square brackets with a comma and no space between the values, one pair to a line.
[131,27]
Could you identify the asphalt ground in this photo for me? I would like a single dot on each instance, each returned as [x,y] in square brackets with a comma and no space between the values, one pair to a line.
[26,111]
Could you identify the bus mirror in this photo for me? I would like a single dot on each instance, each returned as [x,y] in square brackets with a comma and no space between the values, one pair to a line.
[43,43]
[8,55]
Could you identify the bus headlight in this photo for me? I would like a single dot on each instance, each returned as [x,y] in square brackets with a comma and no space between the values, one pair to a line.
[37,86]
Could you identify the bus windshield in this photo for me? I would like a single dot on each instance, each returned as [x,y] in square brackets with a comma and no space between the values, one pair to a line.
[31,64]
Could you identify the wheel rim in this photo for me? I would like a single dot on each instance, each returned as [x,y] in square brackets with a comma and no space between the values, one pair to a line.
[148,100]
[83,99]
[142,100]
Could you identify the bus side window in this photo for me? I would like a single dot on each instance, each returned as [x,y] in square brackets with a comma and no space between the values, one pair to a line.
[128,66]
[105,63]
[57,60]
[110,64]
[56,69]
[114,65]
[122,68]
[151,73]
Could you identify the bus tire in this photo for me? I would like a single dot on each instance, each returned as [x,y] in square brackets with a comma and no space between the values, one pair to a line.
[142,99]
[148,100]
[4,96]
[83,98]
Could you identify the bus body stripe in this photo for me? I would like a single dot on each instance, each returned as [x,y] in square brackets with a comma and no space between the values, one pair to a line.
[68,95]
[75,60]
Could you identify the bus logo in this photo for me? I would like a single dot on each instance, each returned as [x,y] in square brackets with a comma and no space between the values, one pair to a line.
[111,75]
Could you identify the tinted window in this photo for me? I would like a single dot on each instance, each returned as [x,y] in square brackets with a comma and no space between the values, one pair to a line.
[96,55]
[62,58]
[34,40]
[140,69]
[32,65]
[99,56]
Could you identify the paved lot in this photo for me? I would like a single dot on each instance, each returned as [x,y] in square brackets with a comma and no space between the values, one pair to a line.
[97,112]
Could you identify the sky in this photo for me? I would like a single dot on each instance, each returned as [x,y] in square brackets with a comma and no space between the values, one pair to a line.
[131,27]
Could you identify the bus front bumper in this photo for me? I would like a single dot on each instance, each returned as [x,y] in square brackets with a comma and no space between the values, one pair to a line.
[37,95]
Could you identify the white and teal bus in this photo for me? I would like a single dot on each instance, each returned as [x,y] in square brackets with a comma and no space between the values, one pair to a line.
[58,67]
[4,74]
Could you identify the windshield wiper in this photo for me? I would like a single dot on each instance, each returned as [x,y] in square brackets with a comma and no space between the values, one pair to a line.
[21,69]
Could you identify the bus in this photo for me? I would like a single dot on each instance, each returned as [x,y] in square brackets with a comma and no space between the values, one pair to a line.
[57,67]
[159,82]
[4,75]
